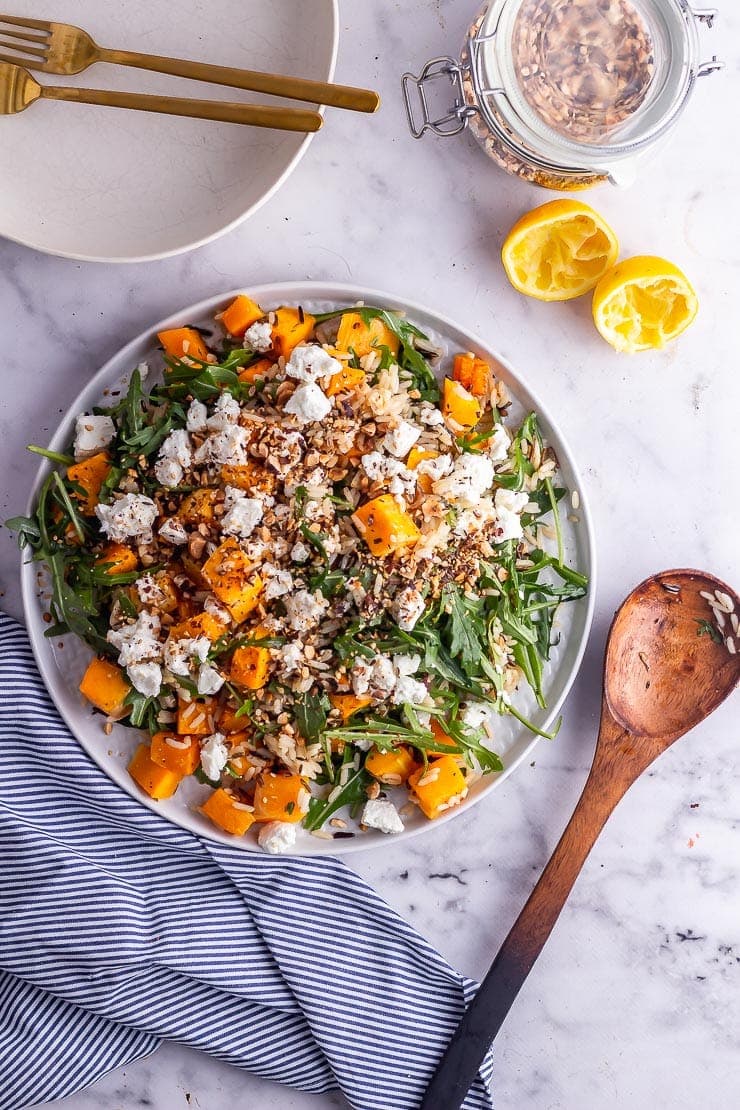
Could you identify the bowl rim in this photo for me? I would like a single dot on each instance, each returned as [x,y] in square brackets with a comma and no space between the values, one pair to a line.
[204,240]
[127,357]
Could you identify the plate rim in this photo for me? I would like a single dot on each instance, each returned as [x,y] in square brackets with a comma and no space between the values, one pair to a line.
[298,290]
[158,256]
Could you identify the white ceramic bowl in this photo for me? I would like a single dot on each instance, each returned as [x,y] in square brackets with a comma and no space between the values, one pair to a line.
[108,185]
[62,669]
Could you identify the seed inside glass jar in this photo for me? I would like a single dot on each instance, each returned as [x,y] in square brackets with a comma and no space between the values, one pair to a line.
[584,66]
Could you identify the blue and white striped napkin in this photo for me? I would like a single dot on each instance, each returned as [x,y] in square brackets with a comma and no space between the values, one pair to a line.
[119,930]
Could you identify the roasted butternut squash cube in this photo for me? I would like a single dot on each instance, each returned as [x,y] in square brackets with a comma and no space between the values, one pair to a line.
[183,343]
[349,377]
[156,781]
[228,722]
[438,787]
[473,373]
[356,335]
[348,704]
[202,624]
[195,716]
[384,526]
[443,739]
[228,813]
[249,476]
[241,314]
[197,507]
[229,574]
[280,798]
[459,405]
[105,686]
[89,475]
[250,665]
[292,326]
[417,455]
[179,754]
[255,370]
[392,768]
[116,558]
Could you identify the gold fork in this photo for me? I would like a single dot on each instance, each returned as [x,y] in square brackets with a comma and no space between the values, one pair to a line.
[18,90]
[63,49]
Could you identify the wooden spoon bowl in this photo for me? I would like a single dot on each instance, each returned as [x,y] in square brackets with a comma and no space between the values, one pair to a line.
[668,665]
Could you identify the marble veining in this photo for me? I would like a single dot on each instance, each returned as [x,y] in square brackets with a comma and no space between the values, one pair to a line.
[636,998]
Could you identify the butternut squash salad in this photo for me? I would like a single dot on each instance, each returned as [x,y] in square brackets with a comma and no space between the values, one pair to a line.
[311,573]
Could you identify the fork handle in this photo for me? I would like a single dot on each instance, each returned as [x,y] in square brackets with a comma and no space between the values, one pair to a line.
[256,115]
[294,88]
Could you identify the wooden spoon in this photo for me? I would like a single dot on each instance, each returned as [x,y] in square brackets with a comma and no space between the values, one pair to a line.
[661,678]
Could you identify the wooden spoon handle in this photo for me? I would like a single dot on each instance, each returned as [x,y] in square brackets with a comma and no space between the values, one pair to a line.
[484,1017]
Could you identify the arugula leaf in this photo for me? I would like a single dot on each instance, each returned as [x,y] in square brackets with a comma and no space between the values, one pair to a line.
[352,793]
[310,711]
[316,539]
[706,628]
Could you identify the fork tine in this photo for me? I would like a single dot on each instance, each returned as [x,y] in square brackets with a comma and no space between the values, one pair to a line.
[37,24]
[25,35]
[24,63]
[35,51]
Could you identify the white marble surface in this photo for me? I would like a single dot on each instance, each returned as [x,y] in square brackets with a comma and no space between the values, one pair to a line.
[636,1000]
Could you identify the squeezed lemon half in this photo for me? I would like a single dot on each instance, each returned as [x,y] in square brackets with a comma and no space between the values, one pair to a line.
[559,251]
[643,303]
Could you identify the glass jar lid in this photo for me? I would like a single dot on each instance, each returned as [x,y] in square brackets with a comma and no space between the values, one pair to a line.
[587,82]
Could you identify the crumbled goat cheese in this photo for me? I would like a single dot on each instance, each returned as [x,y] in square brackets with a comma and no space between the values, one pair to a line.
[226,411]
[92,434]
[407,607]
[279,582]
[430,415]
[376,676]
[209,680]
[146,678]
[277,836]
[259,337]
[401,439]
[179,655]
[168,473]
[292,656]
[174,456]
[410,690]
[383,815]
[173,531]
[227,446]
[436,468]
[509,506]
[300,553]
[380,468]
[137,642]
[407,664]
[128,517]
[214,756]
[471,476]
[308,363]
[472,520]
[242,515]
[308,403]
[304,609]
[475,714]
[150,592]
[197,417]
[497,446]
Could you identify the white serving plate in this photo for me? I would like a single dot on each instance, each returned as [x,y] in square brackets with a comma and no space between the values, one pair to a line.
[62,667]
[108,185]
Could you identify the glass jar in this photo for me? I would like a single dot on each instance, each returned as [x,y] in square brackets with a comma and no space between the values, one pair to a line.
[566,93]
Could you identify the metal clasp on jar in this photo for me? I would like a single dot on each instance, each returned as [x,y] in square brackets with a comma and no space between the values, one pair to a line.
[706,16]
[456,118]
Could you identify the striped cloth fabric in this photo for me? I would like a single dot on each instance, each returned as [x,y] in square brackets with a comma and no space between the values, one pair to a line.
[119,930]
